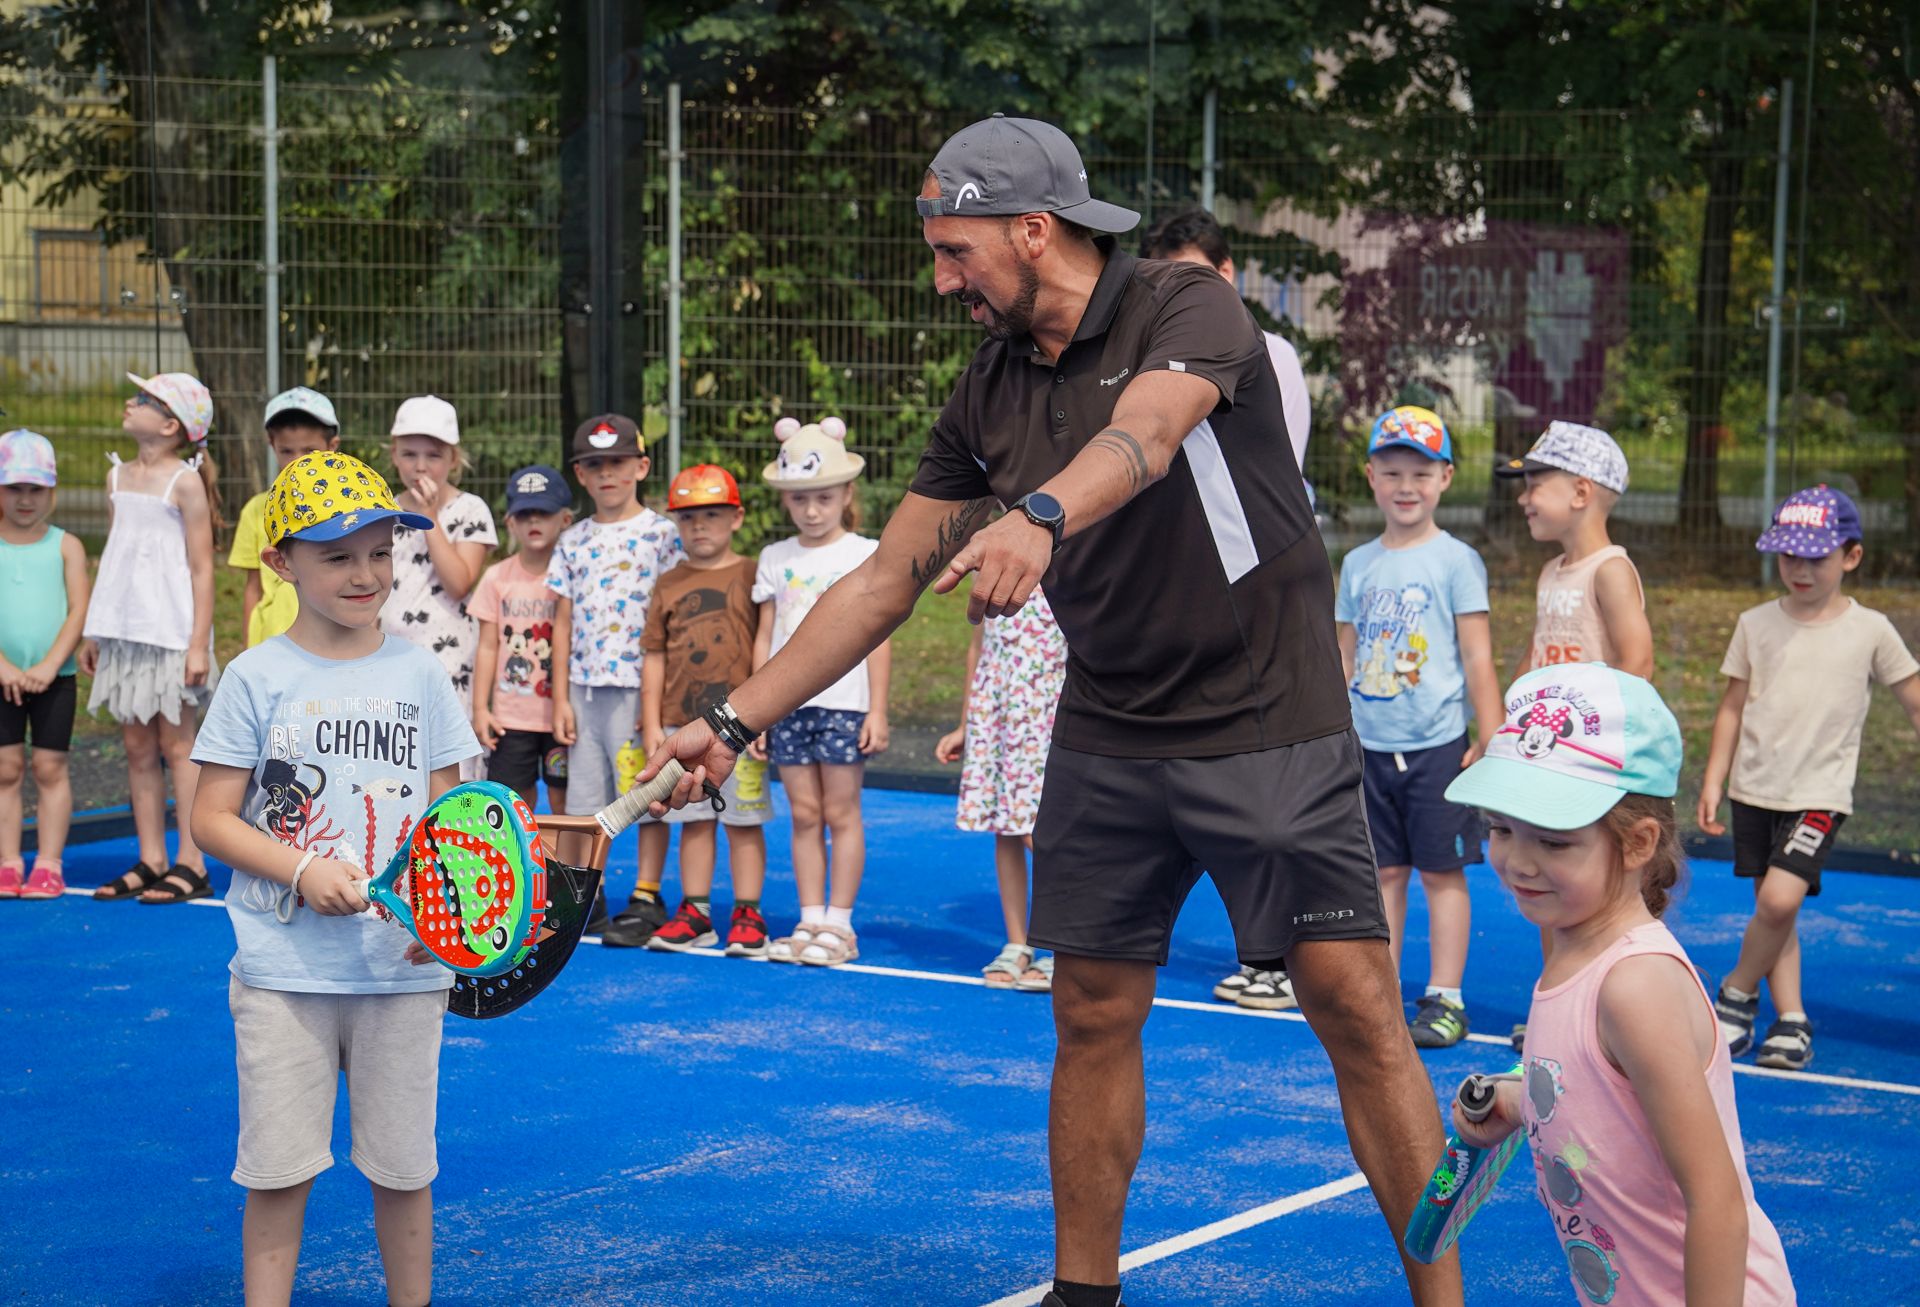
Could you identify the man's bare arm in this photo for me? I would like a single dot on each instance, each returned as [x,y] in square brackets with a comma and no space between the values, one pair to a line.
[863,608]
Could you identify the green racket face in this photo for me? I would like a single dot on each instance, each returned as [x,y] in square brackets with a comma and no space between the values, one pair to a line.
[476,885]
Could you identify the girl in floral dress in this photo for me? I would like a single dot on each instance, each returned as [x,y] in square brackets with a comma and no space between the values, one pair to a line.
[1015,668]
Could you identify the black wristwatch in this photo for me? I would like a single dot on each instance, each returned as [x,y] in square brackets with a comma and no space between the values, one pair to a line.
[1042,509]
[728,727]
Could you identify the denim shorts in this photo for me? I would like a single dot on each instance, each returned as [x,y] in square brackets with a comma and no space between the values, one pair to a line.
[816,735]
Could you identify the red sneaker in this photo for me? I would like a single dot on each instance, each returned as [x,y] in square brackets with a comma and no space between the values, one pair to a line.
[747,934]
[685,929]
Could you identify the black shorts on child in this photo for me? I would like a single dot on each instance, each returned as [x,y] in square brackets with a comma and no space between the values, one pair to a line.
[523,756]
[48,715]
[1799,842]
[1413,823]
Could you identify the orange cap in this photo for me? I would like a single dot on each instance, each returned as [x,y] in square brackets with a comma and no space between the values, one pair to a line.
[703,486]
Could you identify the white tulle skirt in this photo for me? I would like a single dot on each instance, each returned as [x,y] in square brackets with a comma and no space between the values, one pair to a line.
[138,682]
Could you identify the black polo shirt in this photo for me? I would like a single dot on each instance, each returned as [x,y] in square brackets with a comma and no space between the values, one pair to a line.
[1199,617]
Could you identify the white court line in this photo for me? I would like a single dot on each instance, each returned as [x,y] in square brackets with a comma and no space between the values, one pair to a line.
[1224,1010]
[1209,1233]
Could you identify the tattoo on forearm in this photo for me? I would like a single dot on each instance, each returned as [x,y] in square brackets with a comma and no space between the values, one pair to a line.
[1133,458]
[948,537]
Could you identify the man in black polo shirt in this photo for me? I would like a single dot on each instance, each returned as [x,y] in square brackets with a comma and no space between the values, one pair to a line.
[1127,413]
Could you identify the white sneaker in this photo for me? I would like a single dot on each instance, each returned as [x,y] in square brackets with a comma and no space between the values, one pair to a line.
[1268,991]
[1230,989]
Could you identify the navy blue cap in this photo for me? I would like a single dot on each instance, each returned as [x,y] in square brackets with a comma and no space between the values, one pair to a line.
[538,489]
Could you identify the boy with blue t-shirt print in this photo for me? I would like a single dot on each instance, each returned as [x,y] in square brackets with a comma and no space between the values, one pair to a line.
[1414,636]
[322,747]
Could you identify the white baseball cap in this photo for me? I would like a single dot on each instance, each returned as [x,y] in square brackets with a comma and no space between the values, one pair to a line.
[427,415]
[301,399]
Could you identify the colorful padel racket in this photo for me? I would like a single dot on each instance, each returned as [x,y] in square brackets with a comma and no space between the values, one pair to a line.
[570,893]
[475,886]
[1464,1180]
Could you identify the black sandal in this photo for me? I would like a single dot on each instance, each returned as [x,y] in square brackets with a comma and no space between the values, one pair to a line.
[119,889]
[197,886]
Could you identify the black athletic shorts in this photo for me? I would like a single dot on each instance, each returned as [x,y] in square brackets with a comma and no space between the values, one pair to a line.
[1413,823]
[1799,842]
[1119,842]
[523,756]
[48,715]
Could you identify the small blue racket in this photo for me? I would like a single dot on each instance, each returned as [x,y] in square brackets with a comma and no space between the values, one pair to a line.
[1464,1180]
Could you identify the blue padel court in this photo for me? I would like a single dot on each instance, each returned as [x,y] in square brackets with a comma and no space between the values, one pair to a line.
[694,1129]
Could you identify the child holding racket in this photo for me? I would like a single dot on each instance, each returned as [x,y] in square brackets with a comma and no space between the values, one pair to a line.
[820,747]
[513,609]
[43,573]
[1016,667]
[322,748]
[1786,744]
[1626,1089]
[1414,636]
[149,629]
[699,648]
[604,571]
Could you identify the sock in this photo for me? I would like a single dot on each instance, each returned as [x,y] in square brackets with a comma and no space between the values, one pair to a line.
[1451,995]
[704,903]
[1736,995]
[1087,1295]
[812,916]
[650,888]
[1794,1016]
[840,917]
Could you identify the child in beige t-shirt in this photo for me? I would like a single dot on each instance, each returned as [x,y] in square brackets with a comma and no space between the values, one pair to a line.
[1590,604]
[1786,742]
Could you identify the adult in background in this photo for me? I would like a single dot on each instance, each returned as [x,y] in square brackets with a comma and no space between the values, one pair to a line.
[1193,236]
[1127,413]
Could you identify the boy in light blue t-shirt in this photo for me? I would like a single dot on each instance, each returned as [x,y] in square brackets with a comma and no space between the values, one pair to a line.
[1412,612]
[321,749]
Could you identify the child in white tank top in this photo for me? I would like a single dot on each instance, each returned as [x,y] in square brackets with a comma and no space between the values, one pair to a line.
[1626,1093]
[149,631]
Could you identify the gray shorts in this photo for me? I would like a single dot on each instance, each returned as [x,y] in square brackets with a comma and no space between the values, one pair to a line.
[1119,843]
[747,799]
[290,1050]
[606,748]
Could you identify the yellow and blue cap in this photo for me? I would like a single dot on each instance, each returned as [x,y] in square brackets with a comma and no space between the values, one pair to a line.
[1412,427]
[325,495]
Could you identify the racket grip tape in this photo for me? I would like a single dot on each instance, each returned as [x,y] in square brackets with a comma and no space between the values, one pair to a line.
[632,806]
[1478,1092]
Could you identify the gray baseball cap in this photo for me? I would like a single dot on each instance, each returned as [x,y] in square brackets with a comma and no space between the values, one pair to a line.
[1001,167]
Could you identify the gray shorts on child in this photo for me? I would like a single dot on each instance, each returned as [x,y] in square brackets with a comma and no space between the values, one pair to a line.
[604,718]
[291,1048]
[747,800]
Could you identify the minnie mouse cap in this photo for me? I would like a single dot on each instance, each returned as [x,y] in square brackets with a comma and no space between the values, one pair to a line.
[1578,737]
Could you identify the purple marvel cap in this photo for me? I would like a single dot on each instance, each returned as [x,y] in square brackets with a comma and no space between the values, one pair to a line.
[1811,523]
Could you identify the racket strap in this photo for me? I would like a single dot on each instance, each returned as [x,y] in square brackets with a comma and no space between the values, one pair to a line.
[288,896]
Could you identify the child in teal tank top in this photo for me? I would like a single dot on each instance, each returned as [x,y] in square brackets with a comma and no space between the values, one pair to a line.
[43,588]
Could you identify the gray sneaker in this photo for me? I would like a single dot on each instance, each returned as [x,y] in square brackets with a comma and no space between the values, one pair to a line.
[1230,989]
[1268,991]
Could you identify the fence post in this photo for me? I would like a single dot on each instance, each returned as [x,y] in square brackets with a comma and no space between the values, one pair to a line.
[675,237]
[1209,146]
[270,245]
[1776,310]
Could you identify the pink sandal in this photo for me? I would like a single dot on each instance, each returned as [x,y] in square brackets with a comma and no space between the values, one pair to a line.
[10,873]
[47,882]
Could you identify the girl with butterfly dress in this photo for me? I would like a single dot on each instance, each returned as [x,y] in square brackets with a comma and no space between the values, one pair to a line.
[434,571]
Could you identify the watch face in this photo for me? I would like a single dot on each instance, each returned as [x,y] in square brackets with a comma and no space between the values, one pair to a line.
[1045,507]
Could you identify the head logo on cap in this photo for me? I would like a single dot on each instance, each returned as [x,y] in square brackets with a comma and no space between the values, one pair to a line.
[971,191]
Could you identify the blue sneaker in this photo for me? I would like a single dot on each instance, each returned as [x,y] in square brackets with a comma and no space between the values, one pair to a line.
[1737,1016]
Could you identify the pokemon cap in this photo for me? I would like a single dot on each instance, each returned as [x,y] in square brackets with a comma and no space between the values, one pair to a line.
[812,457]
[324,496]
[703,486]
[1578,736]
[1411,427]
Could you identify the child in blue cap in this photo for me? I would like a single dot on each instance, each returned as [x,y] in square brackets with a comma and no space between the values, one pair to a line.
[1786,743]
[1626,1091]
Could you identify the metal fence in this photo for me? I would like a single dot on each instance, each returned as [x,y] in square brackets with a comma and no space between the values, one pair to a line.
[1495,269]
[370,241]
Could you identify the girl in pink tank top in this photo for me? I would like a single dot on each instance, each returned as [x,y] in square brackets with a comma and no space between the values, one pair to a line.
[1626,1093]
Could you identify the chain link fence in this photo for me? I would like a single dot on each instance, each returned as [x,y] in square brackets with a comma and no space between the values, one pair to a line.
[417,243]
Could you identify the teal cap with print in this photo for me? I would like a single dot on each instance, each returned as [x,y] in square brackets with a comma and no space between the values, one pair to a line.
[1578,737]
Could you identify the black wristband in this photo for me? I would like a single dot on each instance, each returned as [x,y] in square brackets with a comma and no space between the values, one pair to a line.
[728,727]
